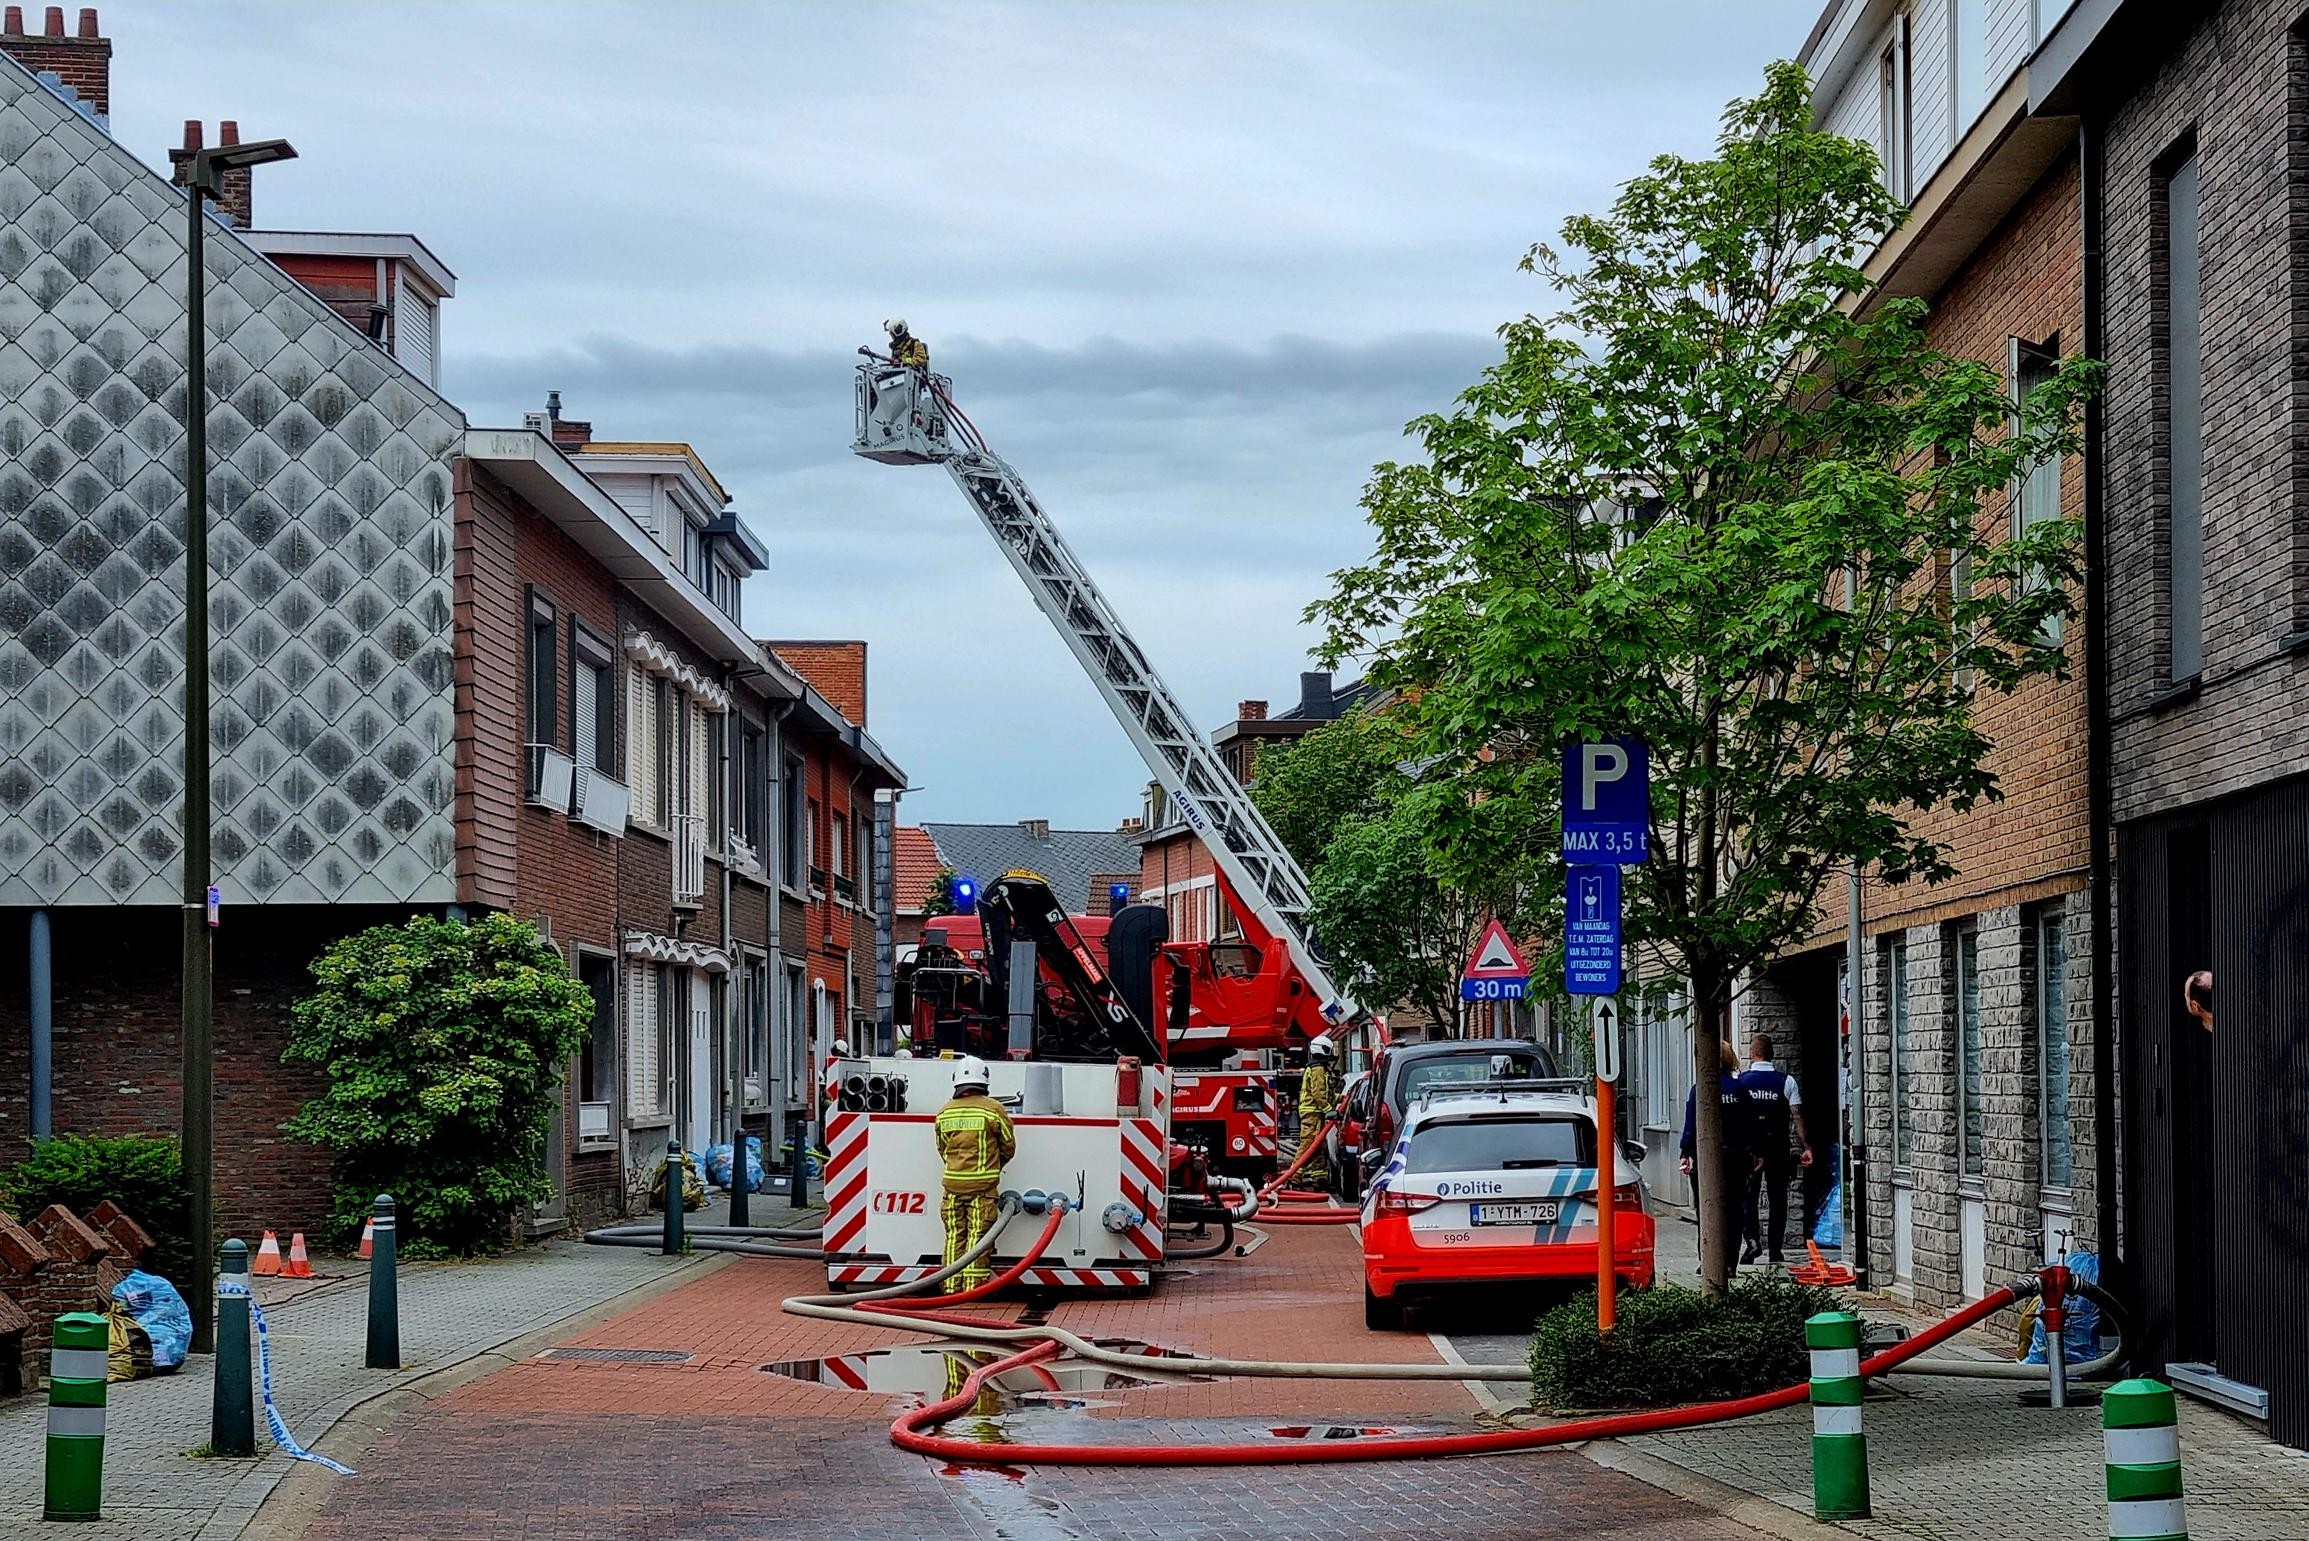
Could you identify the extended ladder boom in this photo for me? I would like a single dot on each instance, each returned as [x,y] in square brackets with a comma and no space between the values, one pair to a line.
[906,417]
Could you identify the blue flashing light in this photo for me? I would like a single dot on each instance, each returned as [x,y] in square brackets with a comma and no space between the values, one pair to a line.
[1119,894]
[965,894]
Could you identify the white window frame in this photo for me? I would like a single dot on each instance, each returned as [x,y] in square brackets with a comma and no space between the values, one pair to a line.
[1892,968]
[1970,1044]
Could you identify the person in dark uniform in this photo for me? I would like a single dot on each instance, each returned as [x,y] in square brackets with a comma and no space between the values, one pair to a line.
[1774,1105]
[1737,1151]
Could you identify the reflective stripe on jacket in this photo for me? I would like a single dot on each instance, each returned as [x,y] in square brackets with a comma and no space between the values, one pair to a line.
[975,1140]
[1318,1093]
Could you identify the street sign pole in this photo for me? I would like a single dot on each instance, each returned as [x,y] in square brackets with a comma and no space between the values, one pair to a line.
[1607,1071]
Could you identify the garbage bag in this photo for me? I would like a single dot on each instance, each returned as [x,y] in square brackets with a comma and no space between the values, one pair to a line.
[161,1312]
[693,1186]
[718,1165]
[1828,1231]
[2081,1335]
[128,1351]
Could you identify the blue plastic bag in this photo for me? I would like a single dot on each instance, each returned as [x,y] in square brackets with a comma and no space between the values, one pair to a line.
[717,1164]
[161,1312]
[1828,1230]
[2081,1333]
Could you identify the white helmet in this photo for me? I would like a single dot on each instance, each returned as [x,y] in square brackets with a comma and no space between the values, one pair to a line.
[895,326]
[970,1070]
[1321,1046]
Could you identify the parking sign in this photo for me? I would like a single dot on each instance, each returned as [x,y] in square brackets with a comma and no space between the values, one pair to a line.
[1607,801]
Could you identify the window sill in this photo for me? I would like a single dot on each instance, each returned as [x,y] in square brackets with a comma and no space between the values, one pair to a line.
[644,1121]
[793,893]
[639,827]
[2296,643]
[2174,694]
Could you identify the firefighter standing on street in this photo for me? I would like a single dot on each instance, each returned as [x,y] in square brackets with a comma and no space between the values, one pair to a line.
[1318,1095]
[975,1141]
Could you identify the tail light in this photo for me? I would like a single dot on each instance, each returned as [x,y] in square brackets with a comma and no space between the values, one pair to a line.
[1629,1196]
[1393,1203]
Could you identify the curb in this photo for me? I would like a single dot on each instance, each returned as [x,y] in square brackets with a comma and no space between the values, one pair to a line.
[1744,1508]
[280,1505]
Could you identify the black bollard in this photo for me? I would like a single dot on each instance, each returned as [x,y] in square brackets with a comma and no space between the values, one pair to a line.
[232,1426]
[384,1292]
[674,1194]
[741,1213]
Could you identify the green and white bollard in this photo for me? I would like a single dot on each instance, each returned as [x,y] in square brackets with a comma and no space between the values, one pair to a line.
[78,1368]
[1839,1449]
[2143,1443]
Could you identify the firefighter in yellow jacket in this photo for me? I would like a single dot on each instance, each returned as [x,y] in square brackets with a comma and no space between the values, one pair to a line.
[1318,1096]
[975,1141]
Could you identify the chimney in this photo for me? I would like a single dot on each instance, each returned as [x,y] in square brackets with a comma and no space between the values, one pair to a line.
[1250,711]
[1315,696]
[82,64]
[1132,826]
[1036,829]
[235,199]
[568,432]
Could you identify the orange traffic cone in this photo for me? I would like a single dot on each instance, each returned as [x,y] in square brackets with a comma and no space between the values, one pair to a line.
[300,1266]
[368,1238]
[268,1259]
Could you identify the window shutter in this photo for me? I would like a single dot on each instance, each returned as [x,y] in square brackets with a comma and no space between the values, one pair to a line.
[700,762]
[585,714]
[641,744]
[641,1077]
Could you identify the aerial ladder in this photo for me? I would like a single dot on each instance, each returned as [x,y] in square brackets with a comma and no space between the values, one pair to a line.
[907,416]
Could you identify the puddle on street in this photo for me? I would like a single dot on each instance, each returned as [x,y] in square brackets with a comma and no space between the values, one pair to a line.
[931,1371]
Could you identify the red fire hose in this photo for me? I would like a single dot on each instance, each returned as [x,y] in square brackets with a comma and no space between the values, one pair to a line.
[1318,1208]
[909,1431]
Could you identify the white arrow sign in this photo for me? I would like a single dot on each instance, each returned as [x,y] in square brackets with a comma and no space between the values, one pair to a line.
[1604,1017]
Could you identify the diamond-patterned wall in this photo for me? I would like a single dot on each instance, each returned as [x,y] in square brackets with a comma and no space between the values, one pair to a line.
[329,499]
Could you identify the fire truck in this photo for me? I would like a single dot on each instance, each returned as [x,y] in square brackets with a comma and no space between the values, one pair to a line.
[1089,1107]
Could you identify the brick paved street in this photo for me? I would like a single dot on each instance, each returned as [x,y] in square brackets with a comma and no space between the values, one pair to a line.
[715,1447]
[448,1313]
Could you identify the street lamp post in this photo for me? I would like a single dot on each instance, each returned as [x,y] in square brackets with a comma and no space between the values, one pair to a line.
[205,181]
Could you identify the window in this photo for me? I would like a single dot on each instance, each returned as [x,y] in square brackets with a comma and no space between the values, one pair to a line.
[810,833]
[1894,972]
[2053,1048]
[2036,496]
[795,1035]
[794,838]
[1502,1145]
[597,1060]
[866,859]
[715,724]
[2184,424]
[592,708]
[1892,116]
[841,846]
[1970,1122]
[750,825]
[645,1041]
[543,678]
[673,1006]
[1968,19]
[755,1003]
[642,745]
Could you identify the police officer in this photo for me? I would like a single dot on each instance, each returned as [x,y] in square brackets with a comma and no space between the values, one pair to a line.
[1774,1103]
[1318,1095]
[975,1141]
[1736,1156]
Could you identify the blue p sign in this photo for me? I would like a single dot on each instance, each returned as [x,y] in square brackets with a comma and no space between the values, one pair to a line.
[1607,803]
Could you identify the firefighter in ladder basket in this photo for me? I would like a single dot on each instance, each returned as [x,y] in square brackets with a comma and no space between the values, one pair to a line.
[975,1141]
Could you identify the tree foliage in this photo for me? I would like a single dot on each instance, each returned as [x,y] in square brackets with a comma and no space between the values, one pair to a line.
[1712,503]
[940,899]
[445,1044]
[142,1173]
[1395,928]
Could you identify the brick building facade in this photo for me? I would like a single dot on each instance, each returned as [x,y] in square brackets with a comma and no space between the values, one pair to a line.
[454,670]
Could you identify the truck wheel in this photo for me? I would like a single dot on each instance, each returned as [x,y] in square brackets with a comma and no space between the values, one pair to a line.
[1381,1315]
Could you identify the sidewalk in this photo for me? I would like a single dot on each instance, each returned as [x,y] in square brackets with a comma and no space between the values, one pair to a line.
[1961,1460]
[450,1312]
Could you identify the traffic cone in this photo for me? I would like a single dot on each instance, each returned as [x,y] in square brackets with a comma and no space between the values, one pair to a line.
[268,1259]
[300,1266]
[368,1238]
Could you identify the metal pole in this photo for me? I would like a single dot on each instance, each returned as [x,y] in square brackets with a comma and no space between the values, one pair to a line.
[384,1348]
[40,1004]
[198,1023]
[232,1426]
[1606,1202]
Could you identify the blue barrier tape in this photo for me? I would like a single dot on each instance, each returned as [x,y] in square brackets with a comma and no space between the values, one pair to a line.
[280,1431]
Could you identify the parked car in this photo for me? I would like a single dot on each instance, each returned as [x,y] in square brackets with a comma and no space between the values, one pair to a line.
[1494,1186]
[1348,1137]
[1404,1071]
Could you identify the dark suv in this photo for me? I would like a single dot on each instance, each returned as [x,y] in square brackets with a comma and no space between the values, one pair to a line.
[1404,1072]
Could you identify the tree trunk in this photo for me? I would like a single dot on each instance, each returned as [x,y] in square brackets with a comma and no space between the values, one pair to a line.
[1709,1182]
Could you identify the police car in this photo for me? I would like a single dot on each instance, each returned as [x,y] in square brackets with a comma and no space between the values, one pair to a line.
[1494,1182]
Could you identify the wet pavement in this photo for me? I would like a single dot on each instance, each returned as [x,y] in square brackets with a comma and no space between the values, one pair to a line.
[669,1427]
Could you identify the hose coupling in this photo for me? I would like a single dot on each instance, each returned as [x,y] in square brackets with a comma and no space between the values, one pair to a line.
[1121,1218]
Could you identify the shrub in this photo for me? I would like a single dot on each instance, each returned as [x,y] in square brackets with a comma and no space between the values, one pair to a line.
[1674,1345]
[142,1173]
[444,1044]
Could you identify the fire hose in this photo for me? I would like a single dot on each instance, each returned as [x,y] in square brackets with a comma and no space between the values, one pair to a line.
[1316,1208]
[747,1240]
[912,1430]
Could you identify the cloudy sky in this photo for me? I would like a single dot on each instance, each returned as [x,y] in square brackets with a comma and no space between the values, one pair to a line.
[1191,266]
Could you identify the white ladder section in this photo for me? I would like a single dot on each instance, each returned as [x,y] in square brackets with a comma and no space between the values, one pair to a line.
[905,418]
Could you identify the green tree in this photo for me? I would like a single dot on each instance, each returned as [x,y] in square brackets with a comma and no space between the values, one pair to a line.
[445,1044]
[1395,928]
[940,899]
[1712,503]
